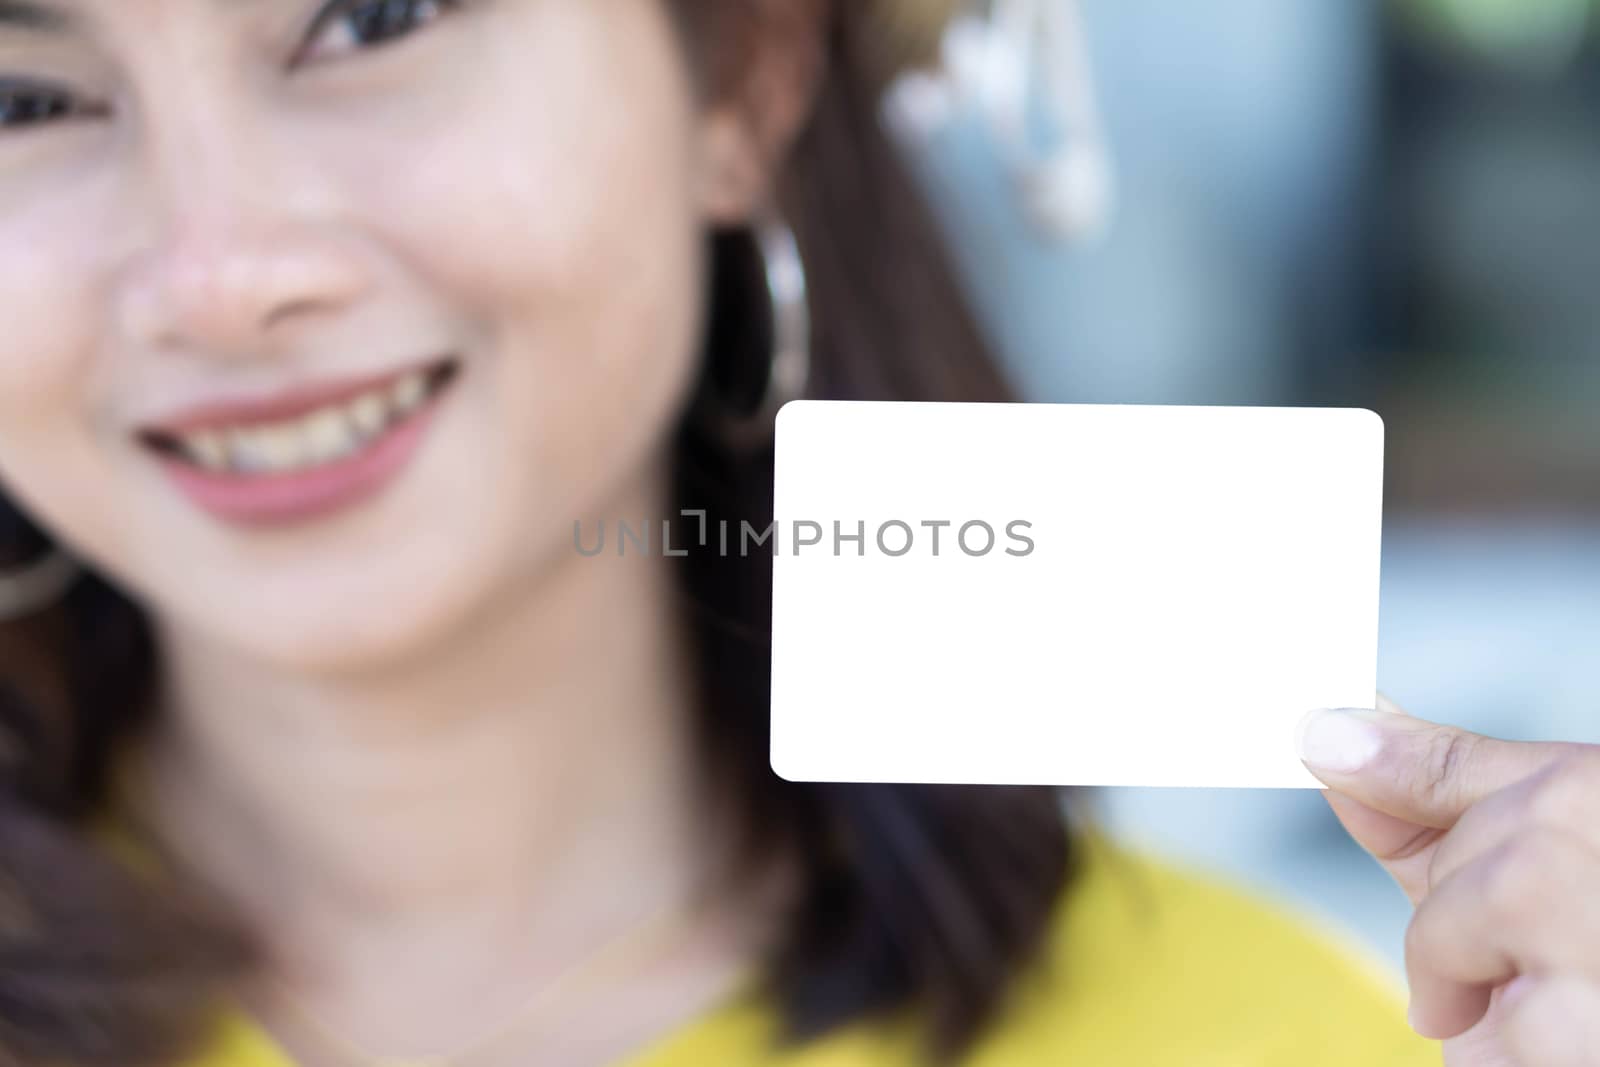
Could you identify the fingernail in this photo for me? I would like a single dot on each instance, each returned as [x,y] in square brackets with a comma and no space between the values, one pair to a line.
[1338,739]
[1387,706]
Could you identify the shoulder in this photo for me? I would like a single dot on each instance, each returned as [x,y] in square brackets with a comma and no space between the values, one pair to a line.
[1150,962]
[1145,962]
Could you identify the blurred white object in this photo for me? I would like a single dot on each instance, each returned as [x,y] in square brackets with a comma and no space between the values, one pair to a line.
[1004,58]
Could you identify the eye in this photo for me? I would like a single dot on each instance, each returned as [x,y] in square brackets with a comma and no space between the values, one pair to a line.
[346,26]
[25,104]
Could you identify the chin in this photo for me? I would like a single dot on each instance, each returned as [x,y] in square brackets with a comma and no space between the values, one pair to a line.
[368,618]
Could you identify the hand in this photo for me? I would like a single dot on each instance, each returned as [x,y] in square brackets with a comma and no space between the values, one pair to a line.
[1497,843]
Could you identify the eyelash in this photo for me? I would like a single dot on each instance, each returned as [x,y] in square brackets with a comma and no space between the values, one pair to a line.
[25,104]
[372,24]
[391,19]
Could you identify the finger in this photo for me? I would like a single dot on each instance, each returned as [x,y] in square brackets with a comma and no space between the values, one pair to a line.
[1418,771]
[1403,848]
[1553,1022]
[1562,796]
[1524,908]
[1481,1046]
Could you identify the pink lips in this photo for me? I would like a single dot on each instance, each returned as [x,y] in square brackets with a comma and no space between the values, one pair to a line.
[257,499]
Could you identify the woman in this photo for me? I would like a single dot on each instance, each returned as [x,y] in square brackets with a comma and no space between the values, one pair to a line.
[325,322]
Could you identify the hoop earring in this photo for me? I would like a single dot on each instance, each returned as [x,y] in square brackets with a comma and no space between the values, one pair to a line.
[741,396]
[37,585]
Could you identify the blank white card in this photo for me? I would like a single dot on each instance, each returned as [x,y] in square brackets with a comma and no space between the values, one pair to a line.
[1067,594]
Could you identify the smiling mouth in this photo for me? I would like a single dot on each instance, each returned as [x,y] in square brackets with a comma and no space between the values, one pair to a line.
[315,438]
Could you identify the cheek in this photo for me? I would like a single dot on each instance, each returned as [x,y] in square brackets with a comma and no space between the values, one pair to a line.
[48,456]
[566,234]
[48,313]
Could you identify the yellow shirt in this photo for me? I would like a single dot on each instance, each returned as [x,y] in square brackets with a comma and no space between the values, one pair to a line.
[1147,965]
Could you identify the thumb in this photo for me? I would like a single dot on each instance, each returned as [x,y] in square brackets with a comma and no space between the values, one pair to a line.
[1420,772]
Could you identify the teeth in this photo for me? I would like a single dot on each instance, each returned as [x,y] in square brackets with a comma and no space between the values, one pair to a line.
[209,450]
[409,392]
[369,414]
[319,437]
[270,449]
[328,435]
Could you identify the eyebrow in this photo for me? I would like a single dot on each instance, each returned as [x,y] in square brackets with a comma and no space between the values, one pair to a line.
[46,17]
[28,15]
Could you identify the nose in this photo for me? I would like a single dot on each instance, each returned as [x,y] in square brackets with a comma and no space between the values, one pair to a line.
[230,264]
[232,293]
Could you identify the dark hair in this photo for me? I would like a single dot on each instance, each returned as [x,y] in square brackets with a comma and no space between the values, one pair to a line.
[922,898]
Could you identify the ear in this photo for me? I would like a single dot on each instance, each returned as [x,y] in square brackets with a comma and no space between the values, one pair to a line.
[746,132]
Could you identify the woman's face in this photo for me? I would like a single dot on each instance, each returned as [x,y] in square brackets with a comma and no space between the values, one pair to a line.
[204,201]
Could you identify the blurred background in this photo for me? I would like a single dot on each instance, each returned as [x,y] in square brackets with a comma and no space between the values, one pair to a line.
[1386,203]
